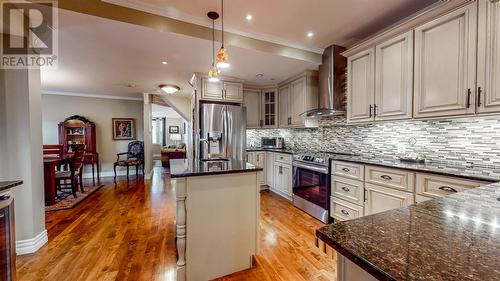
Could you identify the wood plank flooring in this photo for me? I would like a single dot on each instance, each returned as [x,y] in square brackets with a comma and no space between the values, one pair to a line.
[127,233]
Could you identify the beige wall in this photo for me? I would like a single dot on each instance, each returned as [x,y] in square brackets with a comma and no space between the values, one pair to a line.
[56,108]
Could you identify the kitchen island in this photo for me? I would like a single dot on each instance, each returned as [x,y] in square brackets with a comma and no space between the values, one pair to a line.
[452,238]
[217,217]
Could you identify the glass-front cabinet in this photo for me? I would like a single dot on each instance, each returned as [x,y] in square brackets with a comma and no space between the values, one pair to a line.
[269,108]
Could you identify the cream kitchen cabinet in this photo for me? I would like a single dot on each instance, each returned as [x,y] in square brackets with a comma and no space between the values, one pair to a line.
[380,81]
[381,199]
[258,159]
[233,91]
[488,65]
[270,169]
[394,78]
[284,106]
[445,64]
[269,108]
[251,100]
[283,179]
[360,86]
[296,96]
[222,91]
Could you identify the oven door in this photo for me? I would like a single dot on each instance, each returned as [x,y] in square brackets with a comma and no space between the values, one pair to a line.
[311,183]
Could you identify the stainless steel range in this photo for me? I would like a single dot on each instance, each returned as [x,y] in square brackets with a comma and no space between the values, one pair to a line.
[311,183]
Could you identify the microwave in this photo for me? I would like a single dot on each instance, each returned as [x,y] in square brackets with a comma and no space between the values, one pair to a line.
[276,142]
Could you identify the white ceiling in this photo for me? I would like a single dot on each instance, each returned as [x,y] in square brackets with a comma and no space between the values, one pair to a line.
[101,56]
[341,22]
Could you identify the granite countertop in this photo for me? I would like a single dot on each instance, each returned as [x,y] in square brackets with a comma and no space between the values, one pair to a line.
[279,150]
[4,185]
[180,168]
[451,238]
[474,172]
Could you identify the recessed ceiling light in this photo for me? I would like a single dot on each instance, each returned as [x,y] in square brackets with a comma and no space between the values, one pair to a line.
[310,34]
[249,17]
[170,89]
[164,62]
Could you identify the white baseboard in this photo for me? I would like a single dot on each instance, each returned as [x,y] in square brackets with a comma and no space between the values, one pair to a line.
[32,245]
[112,174]
[149,175]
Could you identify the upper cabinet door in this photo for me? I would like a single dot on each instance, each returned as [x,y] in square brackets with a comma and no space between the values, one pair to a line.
[445,64]
[488,72]
[233,91]
[269,108]
[211,90]
[298,101]
[284,106]
[394,78]
[360,86]
[251,100]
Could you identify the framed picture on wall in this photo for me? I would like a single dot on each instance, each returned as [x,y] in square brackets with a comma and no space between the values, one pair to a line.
[123,129]
[173,129]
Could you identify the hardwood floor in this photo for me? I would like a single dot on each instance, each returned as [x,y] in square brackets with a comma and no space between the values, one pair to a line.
[127,233]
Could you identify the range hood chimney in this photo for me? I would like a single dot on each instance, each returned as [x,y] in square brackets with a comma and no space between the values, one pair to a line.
[332,79]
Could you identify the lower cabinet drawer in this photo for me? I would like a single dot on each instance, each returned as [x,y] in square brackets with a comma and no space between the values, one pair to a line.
[343,210]
[420,198]
[393,178]
[348,170]
[349,190]
[431,185]
[283,158]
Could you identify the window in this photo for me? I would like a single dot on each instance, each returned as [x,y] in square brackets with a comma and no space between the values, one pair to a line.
[158,133]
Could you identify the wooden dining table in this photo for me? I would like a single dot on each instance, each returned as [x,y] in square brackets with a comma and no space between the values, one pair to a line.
[49,171]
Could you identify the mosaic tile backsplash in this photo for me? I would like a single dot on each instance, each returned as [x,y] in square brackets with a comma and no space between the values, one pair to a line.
[474,140]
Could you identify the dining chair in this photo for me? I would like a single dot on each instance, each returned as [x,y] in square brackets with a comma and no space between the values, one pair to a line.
[52,150]
[75,172]
[134,157]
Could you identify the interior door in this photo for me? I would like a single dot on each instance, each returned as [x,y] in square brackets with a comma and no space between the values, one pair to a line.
[360,86]
[445,64]
[251,100]
[394,78]
[284,106]
[488,72]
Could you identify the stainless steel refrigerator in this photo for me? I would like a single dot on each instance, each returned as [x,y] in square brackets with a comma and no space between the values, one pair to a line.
[222,131]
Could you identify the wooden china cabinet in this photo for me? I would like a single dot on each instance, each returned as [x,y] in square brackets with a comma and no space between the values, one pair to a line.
[80,131]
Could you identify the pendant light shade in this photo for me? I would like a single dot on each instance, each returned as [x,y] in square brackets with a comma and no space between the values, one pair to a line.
[222,55]
[213,72]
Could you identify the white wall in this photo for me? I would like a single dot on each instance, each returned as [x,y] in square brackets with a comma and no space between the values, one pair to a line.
[56,108]
[21,153]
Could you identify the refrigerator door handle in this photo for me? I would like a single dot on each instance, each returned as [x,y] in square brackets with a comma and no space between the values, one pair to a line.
[225,130]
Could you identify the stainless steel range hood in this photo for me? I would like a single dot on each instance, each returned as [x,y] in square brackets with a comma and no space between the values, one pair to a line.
[332,79]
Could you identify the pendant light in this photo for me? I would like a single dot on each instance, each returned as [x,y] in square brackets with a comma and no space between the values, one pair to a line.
[213,72]
[222,56]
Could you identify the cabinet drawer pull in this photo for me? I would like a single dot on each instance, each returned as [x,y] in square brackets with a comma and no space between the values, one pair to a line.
[479,91]
[469,93]
[346,189]
[370,111]
[346,170]
[386,177]
[448,189]
[344,212]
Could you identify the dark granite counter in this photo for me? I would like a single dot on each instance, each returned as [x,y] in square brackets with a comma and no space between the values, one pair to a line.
[284,150]
[180,168]
[4,185]
[474,172]
[451,238]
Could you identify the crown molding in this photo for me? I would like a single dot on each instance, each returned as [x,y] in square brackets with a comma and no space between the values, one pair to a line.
[88,95]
